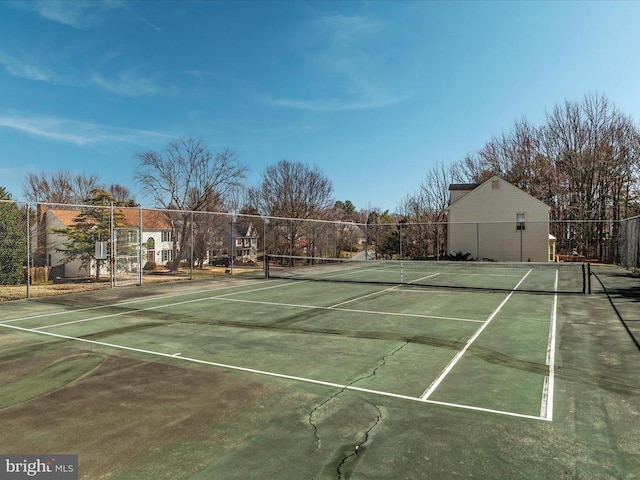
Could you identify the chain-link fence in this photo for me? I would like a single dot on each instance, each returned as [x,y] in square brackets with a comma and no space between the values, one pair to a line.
[14,252]
[49,248]
[630,243]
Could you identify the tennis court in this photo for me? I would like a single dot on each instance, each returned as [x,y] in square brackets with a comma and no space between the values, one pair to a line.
[324,370]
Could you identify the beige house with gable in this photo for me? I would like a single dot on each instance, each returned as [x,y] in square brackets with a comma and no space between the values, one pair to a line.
[495,220]
[156,244]
[156,232]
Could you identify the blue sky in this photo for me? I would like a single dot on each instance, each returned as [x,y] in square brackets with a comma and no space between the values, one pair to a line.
[374,93]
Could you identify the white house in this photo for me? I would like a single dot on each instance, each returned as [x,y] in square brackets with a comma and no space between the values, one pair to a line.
[245,243]
[495,220]
[157,238]
[156,242]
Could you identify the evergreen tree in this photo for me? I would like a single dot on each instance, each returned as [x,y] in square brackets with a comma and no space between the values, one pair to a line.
[12,241]
[92,225]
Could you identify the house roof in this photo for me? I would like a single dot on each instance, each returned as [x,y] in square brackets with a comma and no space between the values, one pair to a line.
[476,186]
[151,219]
[244,230]
[464,186]
[67,217]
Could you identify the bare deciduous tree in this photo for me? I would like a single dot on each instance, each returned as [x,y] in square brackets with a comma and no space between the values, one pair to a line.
[188,177]
[59,187]
[584,162]
[425,212]
[121,195]
[292,190]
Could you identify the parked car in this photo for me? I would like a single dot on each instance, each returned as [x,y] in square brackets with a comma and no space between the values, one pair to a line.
[221,261]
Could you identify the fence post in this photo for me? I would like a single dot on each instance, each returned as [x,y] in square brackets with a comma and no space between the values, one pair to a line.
[231,250]
[28,239]
[112,261]
[140,260]
[191,249]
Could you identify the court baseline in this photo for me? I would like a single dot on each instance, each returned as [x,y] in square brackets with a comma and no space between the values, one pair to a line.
[273,374]
[434,385]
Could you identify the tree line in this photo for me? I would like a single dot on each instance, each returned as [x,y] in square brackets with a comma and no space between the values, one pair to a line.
[583,161]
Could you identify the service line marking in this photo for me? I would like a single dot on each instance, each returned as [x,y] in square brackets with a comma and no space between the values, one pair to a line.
[225,297]
[427,393]
[156,307]
[351,310]
[128,302]
[546,406]
[272,374]
[395,287]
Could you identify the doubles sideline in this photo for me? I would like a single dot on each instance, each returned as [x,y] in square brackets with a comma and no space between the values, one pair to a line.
[546,412]
[179,357]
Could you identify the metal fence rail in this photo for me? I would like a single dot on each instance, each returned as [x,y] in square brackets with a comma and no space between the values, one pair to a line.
[46,248]
[630,242]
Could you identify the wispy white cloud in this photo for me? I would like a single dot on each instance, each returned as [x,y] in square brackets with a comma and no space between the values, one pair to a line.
[73,131]
[340,53]
[126,83]
[80,14]
[329,105]
[204,75]
[151,25]
[28,70]
[343,30]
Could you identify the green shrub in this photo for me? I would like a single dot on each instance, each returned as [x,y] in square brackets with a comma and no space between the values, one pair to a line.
[149,266]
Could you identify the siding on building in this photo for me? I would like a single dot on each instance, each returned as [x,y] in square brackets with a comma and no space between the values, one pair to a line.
[154,224]
[157,241]
[482,221]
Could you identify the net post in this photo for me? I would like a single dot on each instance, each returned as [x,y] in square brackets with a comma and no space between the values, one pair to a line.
[588,278]
[140,233]
[28,243]
[584,281]
[266,265]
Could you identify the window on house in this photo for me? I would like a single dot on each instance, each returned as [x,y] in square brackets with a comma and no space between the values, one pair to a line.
[167,236]
[167,255]
[495,185]
[520,221]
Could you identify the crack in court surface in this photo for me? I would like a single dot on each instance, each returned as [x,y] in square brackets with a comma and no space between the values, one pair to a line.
[358,448]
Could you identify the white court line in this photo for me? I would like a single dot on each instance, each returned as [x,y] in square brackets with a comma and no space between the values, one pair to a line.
[110,315]
[278,304]
[545,397]
[138,300]
[427,393]
[546,407]
[100,317]
[380,291]
[271,374]
[352,310]
[342,273]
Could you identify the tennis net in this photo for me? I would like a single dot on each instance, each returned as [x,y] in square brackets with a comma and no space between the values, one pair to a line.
[528,277]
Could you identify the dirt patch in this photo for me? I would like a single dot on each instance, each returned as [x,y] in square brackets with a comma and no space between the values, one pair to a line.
[128,410]
[52,377]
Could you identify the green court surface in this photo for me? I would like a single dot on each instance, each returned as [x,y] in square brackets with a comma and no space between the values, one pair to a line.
[301,379]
